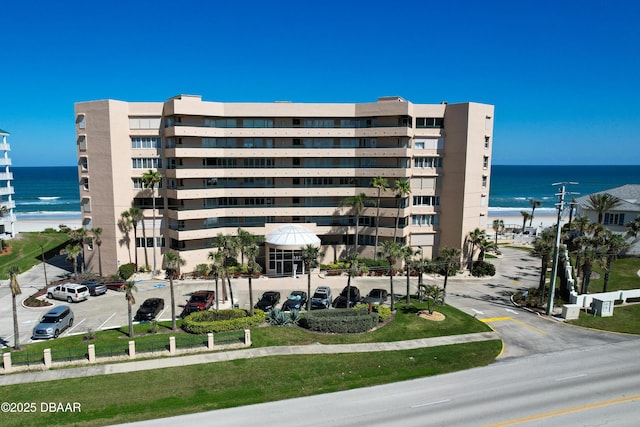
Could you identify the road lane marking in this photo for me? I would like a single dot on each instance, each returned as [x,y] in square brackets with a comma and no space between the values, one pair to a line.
[565,411]
[501,319]
[571,377]
[477,312]
[105,322]
[511,311]
[420,405]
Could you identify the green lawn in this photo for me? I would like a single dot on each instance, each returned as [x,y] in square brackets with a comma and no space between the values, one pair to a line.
[625,319]
[25,251]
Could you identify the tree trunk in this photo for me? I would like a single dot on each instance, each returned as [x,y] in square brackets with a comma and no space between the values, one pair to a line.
[349,289]
[16,332]
[375,252]
[217,295]
[607,273]
[130,319]
[543,275]
[230,288]
[99,261]
[308,287]
[446,277]
[586,278]
[173,302]
[408,275]
[250,294]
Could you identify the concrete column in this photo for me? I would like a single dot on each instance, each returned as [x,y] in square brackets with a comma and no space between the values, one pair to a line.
[47,358]
[172,346]
[132,349]
[6,361]
[92,353]
[247,337]
[210,341]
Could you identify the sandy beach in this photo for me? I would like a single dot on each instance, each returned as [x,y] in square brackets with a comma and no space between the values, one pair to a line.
[32,225]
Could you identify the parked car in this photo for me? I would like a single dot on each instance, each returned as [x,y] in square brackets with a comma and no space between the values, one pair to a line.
[296,300]
[116,285]
[342,301]
[376,297]
[96,287]
[321,298]
[199,301]
[149,309]
[53,323]
[70,292]
[268,300]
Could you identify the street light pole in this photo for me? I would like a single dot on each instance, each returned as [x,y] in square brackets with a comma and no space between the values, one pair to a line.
[44,266]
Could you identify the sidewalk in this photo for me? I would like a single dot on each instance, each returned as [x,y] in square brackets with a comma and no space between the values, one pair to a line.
[195,359]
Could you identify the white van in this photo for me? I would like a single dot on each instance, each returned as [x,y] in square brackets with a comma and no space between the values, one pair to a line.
[70,292]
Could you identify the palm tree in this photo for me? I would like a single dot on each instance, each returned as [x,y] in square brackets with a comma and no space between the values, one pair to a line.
[525,217]
[310,256]
[13,272]
[252,252]
[216,270]
[591,254]
[172,261]
[3,212]
[125,226]
[450,257]
[97,233]
[129,287]
[136,216]
[355,268]
[357,204]
[402,187]
[534,204]
[602,203]
[407,256]
[434,294]
[613,244]
[485,245]
[581,224]
[474,238]
[228,245]
[633,227]
[543,247]
[150,179]
[73,252]
[391,251]
[246,239]
[498,227]
[78,238]
[381,184]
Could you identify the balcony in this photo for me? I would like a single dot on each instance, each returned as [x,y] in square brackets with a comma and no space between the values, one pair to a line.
[6,191]
[6,176]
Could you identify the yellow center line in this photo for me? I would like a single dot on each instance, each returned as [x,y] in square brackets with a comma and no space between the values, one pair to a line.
[501,319]
[565,411]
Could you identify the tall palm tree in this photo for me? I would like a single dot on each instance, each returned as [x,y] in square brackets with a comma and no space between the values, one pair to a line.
[228,245]
[173,261]
[450,257]
[13,272]
[137,216]
[151,178]
[402,187]
[246,239]
[355,268]
[217,271]
[125,226]
[78,238]
[310,257]
[251,251]
[357,203]
[525,217]
[407,255]
[391,251]
[474,238]
[534,204]
[485,245]
[381,184]
[581,224]
[591,253]
[129,287]
[498,227]
[97,233]
[602,203]
[73,252]
[613,244]
[543,247]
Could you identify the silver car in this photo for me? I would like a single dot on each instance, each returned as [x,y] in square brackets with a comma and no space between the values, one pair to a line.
[69,292]
[54,323]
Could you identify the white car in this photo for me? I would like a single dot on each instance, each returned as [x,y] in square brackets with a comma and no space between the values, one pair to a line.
[70,292]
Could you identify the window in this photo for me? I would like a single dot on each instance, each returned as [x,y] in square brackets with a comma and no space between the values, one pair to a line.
[484,181]
[81,122]
[85,183]
[427,162]
[487,123]
[86,205]
[426,200]
[424,220]
[613,219]
[257,123]
[485,162]
[146,142]
[486,142]
[144,122]
[430,122]
[84,164]
[146,163]
[296,161]
[82,142]
[221,123]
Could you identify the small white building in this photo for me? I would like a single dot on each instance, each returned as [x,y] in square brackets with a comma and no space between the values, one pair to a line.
[616,219]
[7,204]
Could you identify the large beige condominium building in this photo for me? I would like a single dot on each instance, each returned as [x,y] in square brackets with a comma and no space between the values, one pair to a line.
[281,170]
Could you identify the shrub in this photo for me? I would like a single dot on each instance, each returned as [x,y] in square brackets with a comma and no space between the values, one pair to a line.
[203,322]
[277,317]
[483,268]
[126,271]
[340,321]
[384,312]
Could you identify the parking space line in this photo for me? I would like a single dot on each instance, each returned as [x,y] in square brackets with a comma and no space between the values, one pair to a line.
[105,322]
[74,326]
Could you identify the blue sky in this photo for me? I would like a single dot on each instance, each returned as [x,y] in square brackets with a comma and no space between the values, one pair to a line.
[563,75]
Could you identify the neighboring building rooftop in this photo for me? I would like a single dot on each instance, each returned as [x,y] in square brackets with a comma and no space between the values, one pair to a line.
[629,195]
[3,132]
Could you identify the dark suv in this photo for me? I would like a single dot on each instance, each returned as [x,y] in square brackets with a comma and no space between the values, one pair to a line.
[96,287]
[342,301]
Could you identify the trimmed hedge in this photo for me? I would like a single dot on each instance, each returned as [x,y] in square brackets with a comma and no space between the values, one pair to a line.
[340,321]
[483,268]
[383,311]
[203,322]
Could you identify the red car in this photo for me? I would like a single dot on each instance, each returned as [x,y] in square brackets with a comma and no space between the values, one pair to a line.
[199,301]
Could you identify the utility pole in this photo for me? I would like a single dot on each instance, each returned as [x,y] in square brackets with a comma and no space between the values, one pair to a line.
[44,266]
[556,246]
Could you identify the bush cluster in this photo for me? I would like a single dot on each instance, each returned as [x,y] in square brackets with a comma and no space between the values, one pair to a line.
[203,322]
[483,268]
[384,312]
[126,270]
[340,321]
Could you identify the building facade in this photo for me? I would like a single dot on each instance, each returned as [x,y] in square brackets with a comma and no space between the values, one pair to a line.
[7,204]
[262,166]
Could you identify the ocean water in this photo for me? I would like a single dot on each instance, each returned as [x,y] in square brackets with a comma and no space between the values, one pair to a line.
[46,192]
[513,186]
[52,192]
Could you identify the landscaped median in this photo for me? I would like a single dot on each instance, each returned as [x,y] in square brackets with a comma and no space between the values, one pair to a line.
[242,381]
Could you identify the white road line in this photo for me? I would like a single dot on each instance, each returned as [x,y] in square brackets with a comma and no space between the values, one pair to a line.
[105,322]
[571,377]
[430,403]
[477,311]
[511,311]
[74,326]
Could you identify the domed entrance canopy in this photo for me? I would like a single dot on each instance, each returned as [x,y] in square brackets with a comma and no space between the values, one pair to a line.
[291,236]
